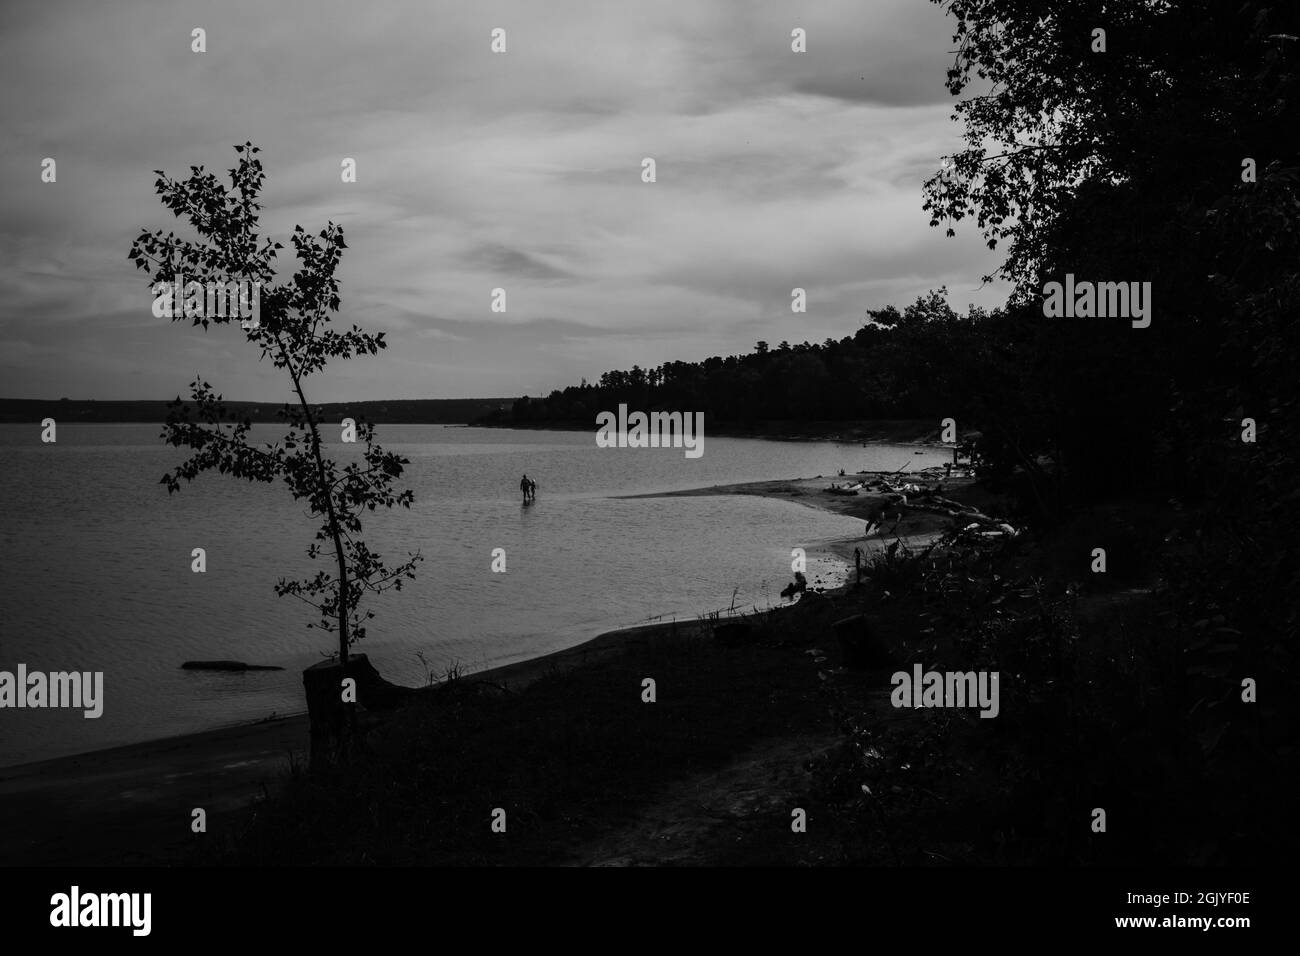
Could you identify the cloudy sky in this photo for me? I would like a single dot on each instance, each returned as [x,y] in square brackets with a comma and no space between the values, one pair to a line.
[477,170]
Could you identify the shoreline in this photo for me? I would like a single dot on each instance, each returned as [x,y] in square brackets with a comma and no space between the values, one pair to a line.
[122,792]
[885,431]
[811,493]
[795,490]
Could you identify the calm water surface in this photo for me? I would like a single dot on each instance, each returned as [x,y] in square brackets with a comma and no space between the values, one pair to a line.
[95,557]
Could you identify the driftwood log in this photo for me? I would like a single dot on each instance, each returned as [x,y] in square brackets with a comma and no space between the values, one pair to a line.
[227,666]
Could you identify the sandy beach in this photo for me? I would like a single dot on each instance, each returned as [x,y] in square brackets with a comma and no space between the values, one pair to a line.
[133,804]
[914,524]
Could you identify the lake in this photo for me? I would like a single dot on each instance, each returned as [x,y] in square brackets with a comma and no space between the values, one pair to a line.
[96,562]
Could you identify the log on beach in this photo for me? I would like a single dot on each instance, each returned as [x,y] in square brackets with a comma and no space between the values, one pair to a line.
[227,666]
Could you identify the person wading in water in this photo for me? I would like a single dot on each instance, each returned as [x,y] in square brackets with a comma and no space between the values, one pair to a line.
[525,485]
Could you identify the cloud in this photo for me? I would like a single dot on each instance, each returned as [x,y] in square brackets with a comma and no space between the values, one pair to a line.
[475,171]
[496,258]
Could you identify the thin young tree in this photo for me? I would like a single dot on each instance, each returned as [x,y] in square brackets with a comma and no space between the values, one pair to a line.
[293,329]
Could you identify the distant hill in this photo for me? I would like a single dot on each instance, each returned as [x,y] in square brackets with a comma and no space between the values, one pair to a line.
[425,411]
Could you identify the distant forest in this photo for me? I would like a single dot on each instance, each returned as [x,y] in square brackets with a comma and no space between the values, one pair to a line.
[1074,409]
[889,369]
[881,372]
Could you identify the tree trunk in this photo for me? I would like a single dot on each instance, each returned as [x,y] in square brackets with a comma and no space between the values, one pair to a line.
[349,719]
[333,723]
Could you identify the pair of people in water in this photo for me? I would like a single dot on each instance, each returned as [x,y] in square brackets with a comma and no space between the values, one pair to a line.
[528,487]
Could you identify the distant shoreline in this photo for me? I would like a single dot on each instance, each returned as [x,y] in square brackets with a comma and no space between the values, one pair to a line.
[885,431]
[460,412]
[419,411]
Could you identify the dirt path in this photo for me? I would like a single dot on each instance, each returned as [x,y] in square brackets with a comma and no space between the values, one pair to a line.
[739,814]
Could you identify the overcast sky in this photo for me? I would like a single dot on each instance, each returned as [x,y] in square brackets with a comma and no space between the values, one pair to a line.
[476,170]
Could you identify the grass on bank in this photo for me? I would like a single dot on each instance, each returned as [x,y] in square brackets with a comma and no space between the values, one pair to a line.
[569,758]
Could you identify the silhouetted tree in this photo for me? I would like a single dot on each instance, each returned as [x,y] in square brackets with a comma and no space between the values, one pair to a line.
[294,331]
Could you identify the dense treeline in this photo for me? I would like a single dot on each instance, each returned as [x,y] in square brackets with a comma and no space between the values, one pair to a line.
[884,370]
[1165,151]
